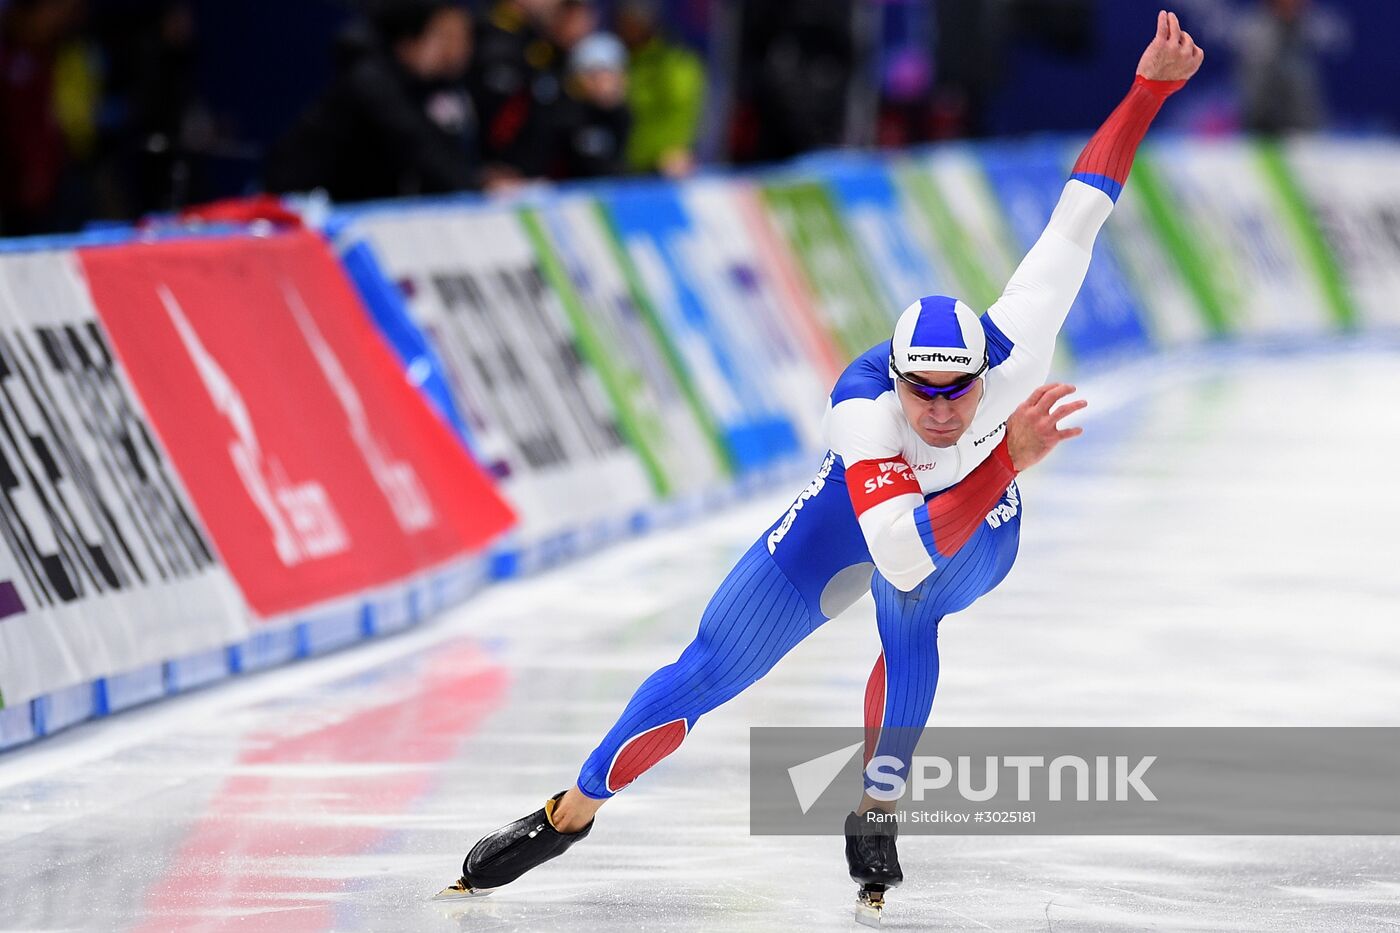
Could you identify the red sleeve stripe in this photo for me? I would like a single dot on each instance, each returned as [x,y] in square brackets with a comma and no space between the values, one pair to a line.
[954,515]
[874,481]
[1107,159]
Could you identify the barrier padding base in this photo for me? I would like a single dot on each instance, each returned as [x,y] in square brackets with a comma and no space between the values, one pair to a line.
[393,609]
[17,725]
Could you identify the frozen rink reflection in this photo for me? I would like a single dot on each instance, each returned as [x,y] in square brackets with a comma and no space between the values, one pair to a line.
[1216,551]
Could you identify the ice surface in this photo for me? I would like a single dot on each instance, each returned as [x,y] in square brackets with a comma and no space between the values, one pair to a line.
[1219,549]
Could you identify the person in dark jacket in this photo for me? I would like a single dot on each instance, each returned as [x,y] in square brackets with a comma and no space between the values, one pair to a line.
[36,155]
[797,64]
[594,123]
[520,79]
[511,75]
[1280,76]
[397,120]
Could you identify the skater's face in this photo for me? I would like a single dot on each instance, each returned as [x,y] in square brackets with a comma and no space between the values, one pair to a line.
[941,421]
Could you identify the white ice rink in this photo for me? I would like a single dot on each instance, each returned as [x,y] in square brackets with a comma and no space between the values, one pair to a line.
[1217,550]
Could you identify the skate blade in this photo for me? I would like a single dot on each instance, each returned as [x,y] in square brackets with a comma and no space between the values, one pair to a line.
[869,907]
[868,916]
[460,891]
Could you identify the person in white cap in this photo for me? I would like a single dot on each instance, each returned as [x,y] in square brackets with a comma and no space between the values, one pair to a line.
[595,123]
[916,502]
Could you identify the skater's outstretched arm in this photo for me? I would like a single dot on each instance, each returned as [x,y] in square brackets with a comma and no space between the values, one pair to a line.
[907,537]
[1033,308]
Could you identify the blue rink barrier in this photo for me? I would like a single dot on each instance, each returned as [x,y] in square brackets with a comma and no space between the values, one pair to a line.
[386,306]
[652,218]
[511,559]
[395,609]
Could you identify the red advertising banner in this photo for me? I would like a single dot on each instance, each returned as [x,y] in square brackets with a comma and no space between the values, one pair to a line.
[318,469]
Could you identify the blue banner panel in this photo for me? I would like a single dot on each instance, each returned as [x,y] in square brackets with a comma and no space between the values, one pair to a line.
[727,367]
[1106,319]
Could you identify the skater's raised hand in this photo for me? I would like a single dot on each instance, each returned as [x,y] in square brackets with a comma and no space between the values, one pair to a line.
[1173,54]
[1033,430]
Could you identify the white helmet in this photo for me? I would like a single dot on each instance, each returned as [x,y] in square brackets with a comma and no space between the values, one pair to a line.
[939,334]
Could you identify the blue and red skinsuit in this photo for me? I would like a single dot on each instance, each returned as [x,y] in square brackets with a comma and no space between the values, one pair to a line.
[816,559]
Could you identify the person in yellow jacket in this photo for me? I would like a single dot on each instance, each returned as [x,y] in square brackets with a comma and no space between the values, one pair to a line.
[666,93]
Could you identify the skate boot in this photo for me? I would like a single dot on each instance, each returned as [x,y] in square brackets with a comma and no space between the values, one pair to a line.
[874,864]
[509,852]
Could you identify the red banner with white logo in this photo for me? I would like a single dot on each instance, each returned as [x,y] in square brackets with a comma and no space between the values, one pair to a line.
[319,471]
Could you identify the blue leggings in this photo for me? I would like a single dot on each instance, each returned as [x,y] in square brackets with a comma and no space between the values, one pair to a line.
[806,568]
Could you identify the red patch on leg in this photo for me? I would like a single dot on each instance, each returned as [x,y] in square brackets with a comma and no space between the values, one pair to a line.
[642,751]
[874,707]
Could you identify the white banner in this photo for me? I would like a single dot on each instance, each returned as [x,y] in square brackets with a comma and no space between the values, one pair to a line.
[104,565]
[540,418]
[1236,223]
[1353,189]
[962,185]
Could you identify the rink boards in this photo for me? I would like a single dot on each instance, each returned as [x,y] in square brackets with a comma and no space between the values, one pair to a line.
[231,450]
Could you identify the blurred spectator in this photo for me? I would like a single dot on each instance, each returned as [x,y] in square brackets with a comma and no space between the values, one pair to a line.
[1280,85]
[666,93]
[970,52]
[572,22]
[521,86]
[797,61]
[590,133]
[48,94]
[511,76]
[157,130]
[397,120]
[542,149]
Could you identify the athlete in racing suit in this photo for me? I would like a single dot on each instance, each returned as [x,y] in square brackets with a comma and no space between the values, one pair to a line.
[916,499]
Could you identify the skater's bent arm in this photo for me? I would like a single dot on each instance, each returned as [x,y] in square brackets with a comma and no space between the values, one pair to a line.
[907,537]
[1033,308]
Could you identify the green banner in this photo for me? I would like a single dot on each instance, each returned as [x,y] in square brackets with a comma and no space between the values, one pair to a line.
[1189,252]
[1311,241]
[848,300]
[971,234]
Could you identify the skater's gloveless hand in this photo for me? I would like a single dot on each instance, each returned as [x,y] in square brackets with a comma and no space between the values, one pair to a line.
[1173,54]
[1033,430]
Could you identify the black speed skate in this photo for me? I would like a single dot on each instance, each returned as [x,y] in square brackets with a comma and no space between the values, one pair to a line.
[874,863]
[509,852]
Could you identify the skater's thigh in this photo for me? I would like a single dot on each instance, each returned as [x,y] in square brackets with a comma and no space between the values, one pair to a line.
[756,609]
[805,568]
